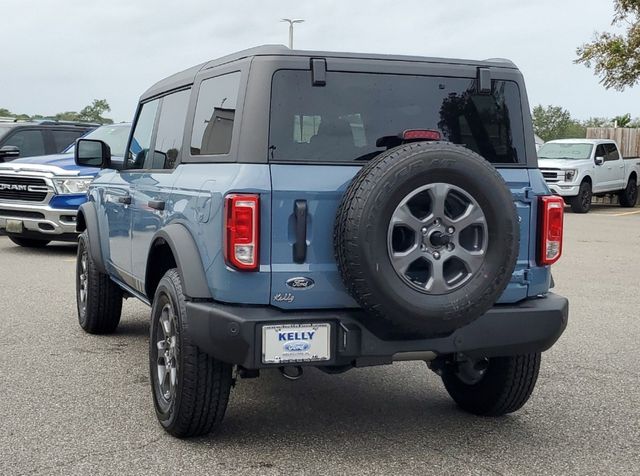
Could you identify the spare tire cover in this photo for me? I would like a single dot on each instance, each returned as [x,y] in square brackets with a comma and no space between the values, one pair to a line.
[427,237]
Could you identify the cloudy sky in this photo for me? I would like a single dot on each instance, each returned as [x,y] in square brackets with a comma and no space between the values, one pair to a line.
[59,55]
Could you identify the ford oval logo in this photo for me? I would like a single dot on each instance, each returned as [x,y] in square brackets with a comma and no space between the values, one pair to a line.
[300,283]
[296,346]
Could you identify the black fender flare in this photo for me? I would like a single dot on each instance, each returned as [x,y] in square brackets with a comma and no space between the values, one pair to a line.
[87,219]
[187,257]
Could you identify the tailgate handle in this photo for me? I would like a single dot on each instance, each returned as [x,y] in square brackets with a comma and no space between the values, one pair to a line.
[300,245]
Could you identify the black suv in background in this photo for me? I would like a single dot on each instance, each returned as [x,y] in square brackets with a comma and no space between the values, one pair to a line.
[29,139]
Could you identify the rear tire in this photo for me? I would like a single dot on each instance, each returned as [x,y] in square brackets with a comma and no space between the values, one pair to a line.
[629,196]
[99,300]
[504,387]
[29,242]
[581,203]
[190,388]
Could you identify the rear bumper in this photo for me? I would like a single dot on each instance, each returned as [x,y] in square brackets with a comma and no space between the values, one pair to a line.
[234,333]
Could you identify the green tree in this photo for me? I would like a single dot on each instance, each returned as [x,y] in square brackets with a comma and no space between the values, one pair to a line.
[622,121]
[597,122]
[554,122]
[95,111]
[67,116]
[615,57]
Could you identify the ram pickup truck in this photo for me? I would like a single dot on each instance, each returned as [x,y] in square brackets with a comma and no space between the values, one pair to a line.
[40,196]
[283,209]
[579,169]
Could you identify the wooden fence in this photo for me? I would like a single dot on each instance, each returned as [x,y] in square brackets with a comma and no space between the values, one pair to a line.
[628,139]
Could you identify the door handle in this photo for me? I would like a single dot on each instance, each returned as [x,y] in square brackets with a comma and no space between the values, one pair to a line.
[156,204]
[125,200]
[300,245]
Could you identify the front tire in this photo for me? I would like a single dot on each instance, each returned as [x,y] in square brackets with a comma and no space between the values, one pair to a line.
[504,386]
[629,196]
[98,298]
[29,242]
[190,388]
[581,203]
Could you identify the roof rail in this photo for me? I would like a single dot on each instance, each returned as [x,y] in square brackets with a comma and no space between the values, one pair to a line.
[52,122]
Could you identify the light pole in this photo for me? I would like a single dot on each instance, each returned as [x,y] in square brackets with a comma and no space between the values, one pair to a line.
[291,21]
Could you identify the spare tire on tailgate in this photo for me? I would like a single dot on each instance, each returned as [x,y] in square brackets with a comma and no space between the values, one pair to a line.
[427,237]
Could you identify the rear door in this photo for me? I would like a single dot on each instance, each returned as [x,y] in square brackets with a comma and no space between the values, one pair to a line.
[614,160]
[153,182]
[321,135]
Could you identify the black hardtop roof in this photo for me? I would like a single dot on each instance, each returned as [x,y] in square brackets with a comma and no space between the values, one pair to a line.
[187,76]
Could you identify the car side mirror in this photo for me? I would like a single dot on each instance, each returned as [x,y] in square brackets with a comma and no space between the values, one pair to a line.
[599,160]
[92,153]
[9,152]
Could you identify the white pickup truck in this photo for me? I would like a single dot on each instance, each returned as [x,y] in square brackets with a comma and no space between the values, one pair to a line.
[578,169]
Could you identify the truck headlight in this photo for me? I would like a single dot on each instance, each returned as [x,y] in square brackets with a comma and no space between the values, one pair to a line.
[70,186]
[570,174]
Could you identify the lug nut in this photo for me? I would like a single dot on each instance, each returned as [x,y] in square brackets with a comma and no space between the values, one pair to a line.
[450,230]
[436,255]
[424,230]
[450,247]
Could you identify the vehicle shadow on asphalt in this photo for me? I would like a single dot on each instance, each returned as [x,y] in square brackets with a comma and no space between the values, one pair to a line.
[50,250]
[365,405]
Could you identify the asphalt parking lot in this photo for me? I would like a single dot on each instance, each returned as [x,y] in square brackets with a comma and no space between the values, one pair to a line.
[72,403]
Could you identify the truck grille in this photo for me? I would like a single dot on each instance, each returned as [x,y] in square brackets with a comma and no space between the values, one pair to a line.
[552,175]
[22,188]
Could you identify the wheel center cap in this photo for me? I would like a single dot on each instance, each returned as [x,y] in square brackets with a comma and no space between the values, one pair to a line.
[439,239]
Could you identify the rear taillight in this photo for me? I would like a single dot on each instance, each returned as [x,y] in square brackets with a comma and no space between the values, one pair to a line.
[242,231]
[551,229]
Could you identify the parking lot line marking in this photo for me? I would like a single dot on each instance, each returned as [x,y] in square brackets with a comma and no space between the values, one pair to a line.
[625,213]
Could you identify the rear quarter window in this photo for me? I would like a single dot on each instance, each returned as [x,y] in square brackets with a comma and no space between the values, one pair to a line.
[343,120]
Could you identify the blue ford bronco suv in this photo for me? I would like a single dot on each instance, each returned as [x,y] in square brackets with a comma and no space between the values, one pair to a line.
[285,209]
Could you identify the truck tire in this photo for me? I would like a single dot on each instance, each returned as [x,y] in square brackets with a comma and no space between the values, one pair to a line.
[98,298]
[190,388]
[629,196]
[29,242]
[427,237]
[581,203]
[504,386]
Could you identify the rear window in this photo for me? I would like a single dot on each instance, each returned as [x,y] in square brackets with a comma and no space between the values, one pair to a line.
[342,121]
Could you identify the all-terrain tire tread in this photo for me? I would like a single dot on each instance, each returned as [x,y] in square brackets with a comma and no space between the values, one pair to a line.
[104,297]
[206,382]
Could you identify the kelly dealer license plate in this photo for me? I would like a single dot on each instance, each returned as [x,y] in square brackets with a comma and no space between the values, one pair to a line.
[285,343]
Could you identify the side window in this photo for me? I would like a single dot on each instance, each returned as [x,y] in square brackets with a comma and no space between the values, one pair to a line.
[600,152]
[168,143]
[29,142]
[141,138]
[612,152]
[215,114]
[63,139]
